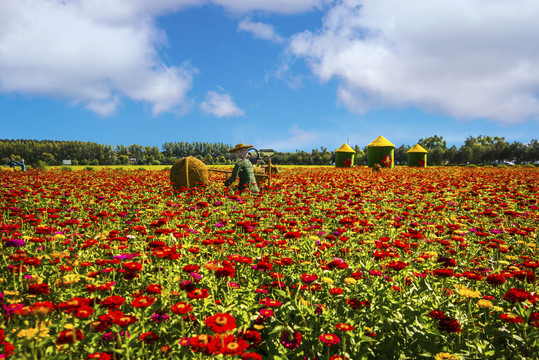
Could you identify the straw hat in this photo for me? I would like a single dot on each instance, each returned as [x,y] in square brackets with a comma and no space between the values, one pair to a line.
[240,146]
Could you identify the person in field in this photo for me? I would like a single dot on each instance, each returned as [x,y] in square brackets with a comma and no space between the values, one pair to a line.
[243,169]
[12,163]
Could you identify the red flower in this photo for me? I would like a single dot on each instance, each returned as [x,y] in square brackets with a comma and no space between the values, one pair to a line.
[84,312]
[518,295]
[132,266]
[142,301]
[437,314]
[154,289]
[112,302]
[291,340]
[344,327]
[230,345]
[203,343]
[226,271]
[37,289]
[264,265]
[148,337]
[221,322]
[191,268]
[198,294]
[69,336]
[252,336]
[396,265]
[472,275]
[534,319]
[510,318]
[181,308]
[336,291]
[496,279]
[251,356]
[449,325]
[357,304]
[443,272]
[309,278]
[329,339]
[348,162]
[99,356]
[124,320]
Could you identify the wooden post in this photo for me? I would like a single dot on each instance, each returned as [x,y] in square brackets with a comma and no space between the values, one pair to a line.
[269,179]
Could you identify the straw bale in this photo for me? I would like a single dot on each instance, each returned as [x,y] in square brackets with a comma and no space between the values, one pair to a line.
[189,172]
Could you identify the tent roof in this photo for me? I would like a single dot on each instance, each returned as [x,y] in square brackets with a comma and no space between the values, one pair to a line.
[345,148]
[417,149]
[380,141]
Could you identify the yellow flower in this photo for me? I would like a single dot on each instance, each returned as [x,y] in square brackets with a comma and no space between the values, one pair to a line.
[11,293]
[442,356]
[327,280]
[39,332]
[60,236]
[420,260]
[510,257]
[497,308]
[314,238]
[483,304]
[468,293]
[350,281]
[306,263]
[258,327]
[33,280]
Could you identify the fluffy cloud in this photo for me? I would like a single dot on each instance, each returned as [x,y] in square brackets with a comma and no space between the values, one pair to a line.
[90,52]
[260,30]
[464,58]
[275,6]
[297,138]
[220,104]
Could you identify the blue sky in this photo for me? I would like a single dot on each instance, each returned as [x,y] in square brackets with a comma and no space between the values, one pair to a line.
[282,74]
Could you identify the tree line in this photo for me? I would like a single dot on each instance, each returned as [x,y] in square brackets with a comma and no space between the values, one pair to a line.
[480,150]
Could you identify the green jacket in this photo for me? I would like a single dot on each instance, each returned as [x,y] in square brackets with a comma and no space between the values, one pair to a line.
[244,170]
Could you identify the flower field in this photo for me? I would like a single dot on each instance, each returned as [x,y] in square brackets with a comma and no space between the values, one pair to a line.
[436,263]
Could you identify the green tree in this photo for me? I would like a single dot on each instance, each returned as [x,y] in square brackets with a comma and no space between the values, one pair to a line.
[48,159]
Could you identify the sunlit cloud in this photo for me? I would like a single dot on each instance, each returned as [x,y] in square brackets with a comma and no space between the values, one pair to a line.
[220,104]
[464,58]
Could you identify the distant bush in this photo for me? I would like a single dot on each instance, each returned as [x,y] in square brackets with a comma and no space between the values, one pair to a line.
[66,168]
[40,164]
[89,168]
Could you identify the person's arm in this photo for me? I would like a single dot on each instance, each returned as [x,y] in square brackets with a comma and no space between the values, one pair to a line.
[233,176]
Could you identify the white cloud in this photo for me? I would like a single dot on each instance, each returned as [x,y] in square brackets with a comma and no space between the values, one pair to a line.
[91,52]
[260,30]
[276,6]
[298,138]
[464,58]
[220,104]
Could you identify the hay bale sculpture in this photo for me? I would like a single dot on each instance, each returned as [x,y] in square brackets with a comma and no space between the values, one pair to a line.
[417,156]
[189,172]
[344,156]
[381,152]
